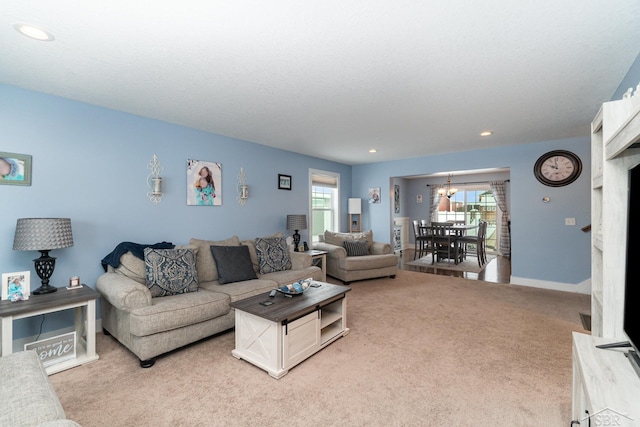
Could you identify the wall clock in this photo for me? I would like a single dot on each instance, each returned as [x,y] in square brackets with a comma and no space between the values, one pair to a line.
[557,168]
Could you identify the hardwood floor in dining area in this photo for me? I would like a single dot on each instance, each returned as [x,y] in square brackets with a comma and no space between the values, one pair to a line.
[498,270]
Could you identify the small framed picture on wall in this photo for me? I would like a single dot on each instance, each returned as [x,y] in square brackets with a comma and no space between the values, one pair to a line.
[284,182]
[15,169]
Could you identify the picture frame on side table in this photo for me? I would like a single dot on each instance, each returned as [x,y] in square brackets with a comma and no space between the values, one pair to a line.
[16,286]
[15,169]
[284,182]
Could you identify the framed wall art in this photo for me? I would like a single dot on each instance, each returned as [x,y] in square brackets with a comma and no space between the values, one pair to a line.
[15,169]
[374,195]
[284,182]
[16,286]
[204,183]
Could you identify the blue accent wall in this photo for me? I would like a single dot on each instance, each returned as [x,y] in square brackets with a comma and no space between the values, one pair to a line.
[90,164]
[543,247]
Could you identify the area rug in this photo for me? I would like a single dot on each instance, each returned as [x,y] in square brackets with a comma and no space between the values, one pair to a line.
[469,265]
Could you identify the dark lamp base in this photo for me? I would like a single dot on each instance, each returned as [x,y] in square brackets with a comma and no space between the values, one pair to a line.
[44,289]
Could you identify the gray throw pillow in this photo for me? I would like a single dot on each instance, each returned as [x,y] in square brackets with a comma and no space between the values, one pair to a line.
[234,263]
[356,247]
[273,254]
[170,271]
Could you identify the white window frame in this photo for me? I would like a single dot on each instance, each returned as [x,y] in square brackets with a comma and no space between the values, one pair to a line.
[335,205]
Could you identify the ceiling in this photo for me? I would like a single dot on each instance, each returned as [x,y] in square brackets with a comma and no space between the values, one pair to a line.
[333,79]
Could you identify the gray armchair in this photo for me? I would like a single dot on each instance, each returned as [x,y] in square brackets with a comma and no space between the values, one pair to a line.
[379,260]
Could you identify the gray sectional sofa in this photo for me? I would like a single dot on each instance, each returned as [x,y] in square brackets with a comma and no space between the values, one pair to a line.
[153,325]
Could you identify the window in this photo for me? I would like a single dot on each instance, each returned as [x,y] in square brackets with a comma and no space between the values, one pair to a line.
[325,195]
[471,204]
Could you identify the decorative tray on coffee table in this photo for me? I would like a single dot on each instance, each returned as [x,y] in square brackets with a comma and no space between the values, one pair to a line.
[296,288]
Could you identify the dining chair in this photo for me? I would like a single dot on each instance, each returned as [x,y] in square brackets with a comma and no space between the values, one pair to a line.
[444,243]
[478,241]
[421,239]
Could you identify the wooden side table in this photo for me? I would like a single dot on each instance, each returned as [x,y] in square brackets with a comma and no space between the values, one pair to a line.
[319,259]
[82,300]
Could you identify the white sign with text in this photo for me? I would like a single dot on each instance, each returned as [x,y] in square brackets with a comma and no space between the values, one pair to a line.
[54,350]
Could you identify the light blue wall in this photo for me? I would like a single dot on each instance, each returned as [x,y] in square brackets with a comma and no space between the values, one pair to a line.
[90,164]
[543,248]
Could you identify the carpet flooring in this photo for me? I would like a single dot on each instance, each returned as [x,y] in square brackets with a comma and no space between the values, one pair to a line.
[424,350]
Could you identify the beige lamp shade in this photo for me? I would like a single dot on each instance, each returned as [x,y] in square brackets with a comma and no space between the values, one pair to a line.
[355,206]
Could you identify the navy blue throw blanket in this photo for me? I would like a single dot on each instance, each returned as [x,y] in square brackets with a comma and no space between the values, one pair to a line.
[137,249]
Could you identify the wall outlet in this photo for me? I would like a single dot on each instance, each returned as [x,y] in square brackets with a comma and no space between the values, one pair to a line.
[569,221]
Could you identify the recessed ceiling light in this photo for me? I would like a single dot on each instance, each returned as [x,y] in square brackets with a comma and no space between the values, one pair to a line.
[34,32]
[486,133]
[373,150]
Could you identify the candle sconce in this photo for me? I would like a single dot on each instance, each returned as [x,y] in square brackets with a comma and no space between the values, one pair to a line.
[154,180]
[243,188]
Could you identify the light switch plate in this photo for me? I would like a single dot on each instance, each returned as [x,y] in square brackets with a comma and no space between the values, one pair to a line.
[569,221]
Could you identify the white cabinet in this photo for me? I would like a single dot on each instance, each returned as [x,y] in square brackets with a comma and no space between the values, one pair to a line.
[605,386]
[615,130]
[300,340]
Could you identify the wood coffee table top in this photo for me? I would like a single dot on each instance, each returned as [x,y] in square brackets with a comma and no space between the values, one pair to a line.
[285,309]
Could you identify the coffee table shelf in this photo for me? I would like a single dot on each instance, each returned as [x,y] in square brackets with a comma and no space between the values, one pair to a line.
[277,337]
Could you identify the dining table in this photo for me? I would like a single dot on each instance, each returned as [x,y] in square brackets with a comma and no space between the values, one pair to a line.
[454,230]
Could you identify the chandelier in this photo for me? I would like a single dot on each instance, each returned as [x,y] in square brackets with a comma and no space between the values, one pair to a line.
[447,190]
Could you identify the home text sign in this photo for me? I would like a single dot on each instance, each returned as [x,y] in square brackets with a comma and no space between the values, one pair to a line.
[54,350]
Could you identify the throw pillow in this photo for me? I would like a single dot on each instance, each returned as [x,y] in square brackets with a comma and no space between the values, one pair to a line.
[337,239]
[356,247]
[204,260]
[273,254]
[234,263]
[251,244]
[170,271]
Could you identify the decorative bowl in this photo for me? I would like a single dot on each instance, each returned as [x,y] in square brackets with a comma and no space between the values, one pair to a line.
[296,288]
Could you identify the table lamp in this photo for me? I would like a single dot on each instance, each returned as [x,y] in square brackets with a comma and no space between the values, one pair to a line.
[296,222]
[44,235]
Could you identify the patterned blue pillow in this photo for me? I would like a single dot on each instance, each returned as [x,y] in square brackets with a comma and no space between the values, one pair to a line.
[170,271]
[356,247]
[273,254]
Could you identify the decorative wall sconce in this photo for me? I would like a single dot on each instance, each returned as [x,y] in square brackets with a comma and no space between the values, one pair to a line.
[243,188]
[154,180]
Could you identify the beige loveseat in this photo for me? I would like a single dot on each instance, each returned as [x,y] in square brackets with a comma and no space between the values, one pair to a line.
[375,259]
[150,326]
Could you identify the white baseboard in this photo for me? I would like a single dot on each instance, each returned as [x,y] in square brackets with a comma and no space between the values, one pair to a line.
[580,288]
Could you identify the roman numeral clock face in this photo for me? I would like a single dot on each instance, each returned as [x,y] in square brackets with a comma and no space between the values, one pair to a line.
[557,168]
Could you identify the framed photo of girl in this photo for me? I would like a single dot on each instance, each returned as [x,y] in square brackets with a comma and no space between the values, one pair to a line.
[204,183]
[16,286]
[15,169]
